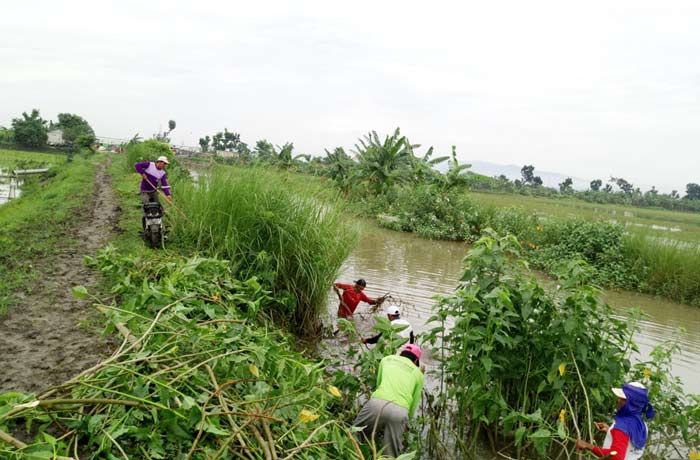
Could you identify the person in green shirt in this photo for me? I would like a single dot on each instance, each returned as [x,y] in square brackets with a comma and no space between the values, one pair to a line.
[394,402]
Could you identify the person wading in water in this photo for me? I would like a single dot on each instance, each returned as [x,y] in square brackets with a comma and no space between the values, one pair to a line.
[626,437]
[403,327]
[394,402]
[352,295]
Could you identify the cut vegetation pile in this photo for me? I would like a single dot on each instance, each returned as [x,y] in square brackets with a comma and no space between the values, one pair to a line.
[195,377]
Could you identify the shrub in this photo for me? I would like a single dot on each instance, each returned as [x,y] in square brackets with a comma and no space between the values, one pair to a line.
[434,213]
[520,364]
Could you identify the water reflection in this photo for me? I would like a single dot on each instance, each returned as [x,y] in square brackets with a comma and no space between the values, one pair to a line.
[415,270]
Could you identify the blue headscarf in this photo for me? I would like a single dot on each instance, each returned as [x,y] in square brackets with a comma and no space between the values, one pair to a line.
[628,418]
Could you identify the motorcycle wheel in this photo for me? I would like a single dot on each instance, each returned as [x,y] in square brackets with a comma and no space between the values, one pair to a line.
[156,237]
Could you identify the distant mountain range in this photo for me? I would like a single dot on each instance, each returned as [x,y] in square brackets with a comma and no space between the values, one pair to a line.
[512,172]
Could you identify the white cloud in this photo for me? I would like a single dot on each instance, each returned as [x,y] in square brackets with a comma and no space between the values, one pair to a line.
[589,88]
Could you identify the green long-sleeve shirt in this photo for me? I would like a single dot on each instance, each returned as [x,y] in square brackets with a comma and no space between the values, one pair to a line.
[399,381]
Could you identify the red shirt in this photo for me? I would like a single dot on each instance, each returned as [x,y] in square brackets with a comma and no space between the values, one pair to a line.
[351,299]
[620,440]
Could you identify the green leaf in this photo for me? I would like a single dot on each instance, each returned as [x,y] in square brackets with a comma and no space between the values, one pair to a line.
[519,433]
[80,292]
[541,439]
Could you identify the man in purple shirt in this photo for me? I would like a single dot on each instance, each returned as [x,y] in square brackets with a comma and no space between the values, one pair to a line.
[153,173]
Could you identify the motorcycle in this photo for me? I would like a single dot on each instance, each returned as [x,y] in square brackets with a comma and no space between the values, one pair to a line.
[153,229]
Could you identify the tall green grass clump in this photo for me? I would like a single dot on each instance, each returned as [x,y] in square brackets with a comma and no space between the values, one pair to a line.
[666,267]
[273,227]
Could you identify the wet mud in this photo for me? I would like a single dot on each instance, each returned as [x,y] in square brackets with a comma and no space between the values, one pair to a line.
[48,335]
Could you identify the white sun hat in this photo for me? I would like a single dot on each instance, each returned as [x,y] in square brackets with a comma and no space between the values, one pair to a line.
[164,159]
[621,394]
[392,310]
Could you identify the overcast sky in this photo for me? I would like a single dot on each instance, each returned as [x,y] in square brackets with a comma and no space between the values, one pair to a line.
[591,89]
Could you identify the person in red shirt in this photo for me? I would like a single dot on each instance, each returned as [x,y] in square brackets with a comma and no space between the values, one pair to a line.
[352,295]
[626,437]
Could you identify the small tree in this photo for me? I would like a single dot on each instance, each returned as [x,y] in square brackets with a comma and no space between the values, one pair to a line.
[537,181]
[692,191]
[566,187]
[264,150]
[76,130]
[165,136]
[6,135]
[204,143]
[596,184]
[456,175]
[528,173]
[30,130]
[625,186]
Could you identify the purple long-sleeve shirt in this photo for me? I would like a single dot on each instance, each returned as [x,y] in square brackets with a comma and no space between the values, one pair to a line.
[154,175]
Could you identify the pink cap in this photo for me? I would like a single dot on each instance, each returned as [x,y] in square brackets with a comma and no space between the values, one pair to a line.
[413,348]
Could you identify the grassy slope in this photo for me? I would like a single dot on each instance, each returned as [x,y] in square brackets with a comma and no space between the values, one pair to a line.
[35,227]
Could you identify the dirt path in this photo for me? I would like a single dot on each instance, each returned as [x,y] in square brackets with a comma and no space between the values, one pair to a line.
[44,340]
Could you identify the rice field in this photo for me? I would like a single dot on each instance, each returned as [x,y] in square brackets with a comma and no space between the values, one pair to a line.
[15,158]
[658,224]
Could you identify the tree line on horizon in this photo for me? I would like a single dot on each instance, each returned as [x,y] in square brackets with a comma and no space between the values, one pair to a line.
[616,190]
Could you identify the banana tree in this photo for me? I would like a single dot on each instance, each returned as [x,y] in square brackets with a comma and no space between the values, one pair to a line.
[383,163]
[457,174]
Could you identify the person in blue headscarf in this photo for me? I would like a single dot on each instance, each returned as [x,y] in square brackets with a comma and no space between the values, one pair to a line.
[626,437]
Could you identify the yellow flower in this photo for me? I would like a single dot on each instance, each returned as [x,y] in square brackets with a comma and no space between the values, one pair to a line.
[306,416]
[562,416]
[539,228]
[335,391]
[562,369]
[647,374]
[254,370]
[216,297]
[694,455]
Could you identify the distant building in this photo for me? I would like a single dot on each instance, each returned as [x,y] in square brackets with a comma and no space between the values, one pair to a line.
[55,137]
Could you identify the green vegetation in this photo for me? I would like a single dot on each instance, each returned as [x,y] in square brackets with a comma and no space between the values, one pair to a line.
[202,374]
[269,227]
[145,151]
[196,377]
[676,225]
[533,369]
[36,226]
[14,159]
[76,130]
[30,130]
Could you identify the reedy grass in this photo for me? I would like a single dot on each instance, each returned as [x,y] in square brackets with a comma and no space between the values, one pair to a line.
[666,267]
[269,225]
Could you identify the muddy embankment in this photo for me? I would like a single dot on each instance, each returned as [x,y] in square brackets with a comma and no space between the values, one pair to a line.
[47,337]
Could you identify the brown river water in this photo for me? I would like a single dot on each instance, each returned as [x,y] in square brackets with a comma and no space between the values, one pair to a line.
[415,270]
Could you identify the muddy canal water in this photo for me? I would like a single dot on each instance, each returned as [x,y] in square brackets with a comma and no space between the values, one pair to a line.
[416,269]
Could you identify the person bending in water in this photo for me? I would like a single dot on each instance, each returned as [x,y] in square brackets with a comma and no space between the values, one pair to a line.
[626,437]
[394,315]
[394,402]
[352,295]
